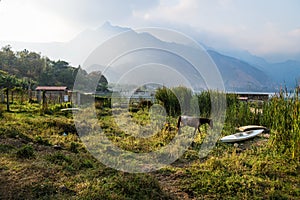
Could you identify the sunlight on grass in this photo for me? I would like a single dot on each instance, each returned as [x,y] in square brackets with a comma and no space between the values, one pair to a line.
[42,156]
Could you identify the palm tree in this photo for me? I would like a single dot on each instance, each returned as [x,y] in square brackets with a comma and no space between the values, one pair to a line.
[7,83]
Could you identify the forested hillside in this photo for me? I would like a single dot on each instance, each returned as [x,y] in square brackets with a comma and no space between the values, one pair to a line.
[35,69]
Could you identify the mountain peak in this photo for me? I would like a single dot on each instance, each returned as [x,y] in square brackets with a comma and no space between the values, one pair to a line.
[107,26]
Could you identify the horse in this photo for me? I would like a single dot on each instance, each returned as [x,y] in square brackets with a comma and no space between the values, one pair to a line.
[195,122]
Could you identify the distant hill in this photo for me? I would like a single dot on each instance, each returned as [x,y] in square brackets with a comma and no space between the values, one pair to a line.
[241,71]
[285,74]
[239,75]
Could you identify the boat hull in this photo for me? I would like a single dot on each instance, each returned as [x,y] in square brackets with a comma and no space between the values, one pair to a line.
[241,136]
[252,127]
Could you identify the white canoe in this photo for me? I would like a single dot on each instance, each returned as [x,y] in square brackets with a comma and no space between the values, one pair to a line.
[251,127]
[241,136]
[70,109]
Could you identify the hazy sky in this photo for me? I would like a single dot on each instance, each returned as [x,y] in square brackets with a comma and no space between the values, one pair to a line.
[262,27]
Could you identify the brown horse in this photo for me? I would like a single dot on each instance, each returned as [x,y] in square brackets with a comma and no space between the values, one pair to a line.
[195,122]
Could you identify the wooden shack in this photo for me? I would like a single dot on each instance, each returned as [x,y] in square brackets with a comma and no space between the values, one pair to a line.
[57,94]
[245,96]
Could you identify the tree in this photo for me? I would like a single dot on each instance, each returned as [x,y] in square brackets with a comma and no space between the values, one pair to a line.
[7,59]
[8,82]
[40,69]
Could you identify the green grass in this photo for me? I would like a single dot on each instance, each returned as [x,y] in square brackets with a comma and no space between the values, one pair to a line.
[32,168]
[25,152]
[4,148]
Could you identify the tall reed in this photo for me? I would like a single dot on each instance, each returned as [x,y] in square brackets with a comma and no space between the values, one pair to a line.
[282,115]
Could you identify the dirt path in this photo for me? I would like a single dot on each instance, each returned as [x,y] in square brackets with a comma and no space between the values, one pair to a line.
[170,184]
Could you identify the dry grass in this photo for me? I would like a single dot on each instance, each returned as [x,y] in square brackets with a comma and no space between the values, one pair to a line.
[61,168]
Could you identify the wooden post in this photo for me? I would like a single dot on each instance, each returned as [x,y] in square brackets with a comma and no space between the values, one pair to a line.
[30,95]
[12,96]
[39,96]
[7,99]
[44,100]
[61,99]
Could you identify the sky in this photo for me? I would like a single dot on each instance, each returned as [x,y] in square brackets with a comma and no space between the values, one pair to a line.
[268,28]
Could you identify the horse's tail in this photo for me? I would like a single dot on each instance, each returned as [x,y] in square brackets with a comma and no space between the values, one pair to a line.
[178,124]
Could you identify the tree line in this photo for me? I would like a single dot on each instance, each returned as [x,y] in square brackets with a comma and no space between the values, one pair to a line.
[26,69]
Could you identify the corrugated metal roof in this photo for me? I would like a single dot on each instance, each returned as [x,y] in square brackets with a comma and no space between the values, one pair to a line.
[52,88]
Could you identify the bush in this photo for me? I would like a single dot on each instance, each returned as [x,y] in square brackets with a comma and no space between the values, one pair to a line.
[85,164]
[204,103]
[1,111]
[13,131]
[42,141]
[59,158]
[175,100]
[281,114]
[25,152]
[74,147]
[181,101]
[5,148]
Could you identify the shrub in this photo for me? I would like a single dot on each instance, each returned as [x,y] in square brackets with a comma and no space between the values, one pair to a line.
[74,147]
[281,114]
[25,152]
[1,111]
[204,103]
[181,101]
[59,158]
[175,100]
[42,141]
[86,164]
[4,148]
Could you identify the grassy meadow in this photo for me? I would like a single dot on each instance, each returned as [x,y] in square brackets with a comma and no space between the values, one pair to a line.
[42,156]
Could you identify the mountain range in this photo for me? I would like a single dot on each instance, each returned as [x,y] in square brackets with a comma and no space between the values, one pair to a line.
[240,70]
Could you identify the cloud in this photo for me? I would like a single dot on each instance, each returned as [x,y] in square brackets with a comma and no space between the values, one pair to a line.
[295,33]
[192,12]
[22,21]
[95,12]
[56,20]
[259,27]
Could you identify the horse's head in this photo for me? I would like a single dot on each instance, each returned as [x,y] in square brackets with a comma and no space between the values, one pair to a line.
[206,121]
